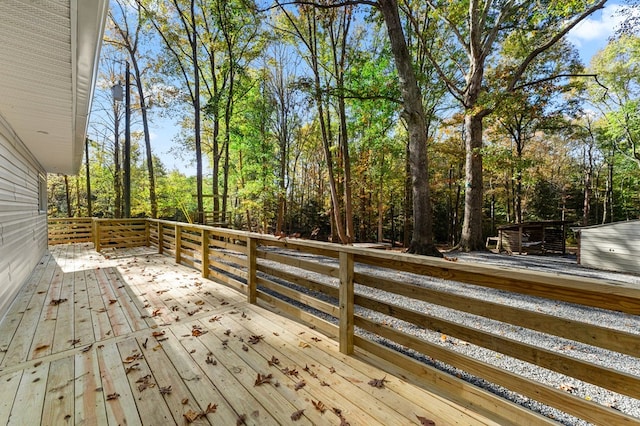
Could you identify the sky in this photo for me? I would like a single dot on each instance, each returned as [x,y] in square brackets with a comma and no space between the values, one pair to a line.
[589,37]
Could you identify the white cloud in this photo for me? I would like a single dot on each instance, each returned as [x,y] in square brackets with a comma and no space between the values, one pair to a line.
[597,28]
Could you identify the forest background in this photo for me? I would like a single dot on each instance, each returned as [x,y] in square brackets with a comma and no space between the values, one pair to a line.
[416,122]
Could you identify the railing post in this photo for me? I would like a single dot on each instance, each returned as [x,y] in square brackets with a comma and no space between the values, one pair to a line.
[160,237]
[204,248]
[96,223]
[252,291]
[345,335]
[178,243]
[147,233]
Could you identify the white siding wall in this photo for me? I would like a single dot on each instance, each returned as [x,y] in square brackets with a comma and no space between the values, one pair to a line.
[23,228]
[613,247]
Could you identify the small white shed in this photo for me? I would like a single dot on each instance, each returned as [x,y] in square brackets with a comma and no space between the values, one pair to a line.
[611,246]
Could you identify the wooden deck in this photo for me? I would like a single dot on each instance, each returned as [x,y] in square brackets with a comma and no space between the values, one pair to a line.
[129,337]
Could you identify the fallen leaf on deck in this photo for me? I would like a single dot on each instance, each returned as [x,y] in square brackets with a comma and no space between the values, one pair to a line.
[41,347]
[300,385]
[200,302]
[332,370]
[255,339]
[263,379]
[113,396]
[145,382]
[112,301]
[184,401]
[319,406]
[273,361]
[276,334]
[245,348]
[344,422]
[129,369]
[55,302]
[242,420]
[297,415]
[197,332]
[290,372]
[165,390]
[378,383]
[426,422]
[157,334]
[191,416]
[304,345]
[211,408]
[323,383]
[155,313]
[216,318]
[316,339]
[211,361]
[134,357]
[227,332]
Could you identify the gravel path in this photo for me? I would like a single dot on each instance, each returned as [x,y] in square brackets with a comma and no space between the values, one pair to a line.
[620,362]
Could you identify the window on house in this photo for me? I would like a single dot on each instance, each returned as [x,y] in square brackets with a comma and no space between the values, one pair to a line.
[42,193]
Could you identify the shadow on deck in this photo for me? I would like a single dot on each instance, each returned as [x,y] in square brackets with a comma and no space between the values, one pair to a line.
[129,337]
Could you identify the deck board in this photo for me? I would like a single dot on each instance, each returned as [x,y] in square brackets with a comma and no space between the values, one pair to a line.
[140,340]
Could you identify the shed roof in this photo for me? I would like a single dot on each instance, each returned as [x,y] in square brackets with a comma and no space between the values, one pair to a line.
[48,60]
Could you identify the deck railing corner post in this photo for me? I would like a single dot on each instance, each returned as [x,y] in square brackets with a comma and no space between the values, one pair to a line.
[205,253]
[252,291]
[346,323]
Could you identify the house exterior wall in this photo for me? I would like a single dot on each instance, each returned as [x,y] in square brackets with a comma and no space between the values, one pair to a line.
[612,247]
[23,216]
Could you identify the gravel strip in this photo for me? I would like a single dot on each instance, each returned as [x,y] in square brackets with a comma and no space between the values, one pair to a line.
[566,264]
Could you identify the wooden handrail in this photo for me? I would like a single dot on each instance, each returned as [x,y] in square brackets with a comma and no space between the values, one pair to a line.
[321,276]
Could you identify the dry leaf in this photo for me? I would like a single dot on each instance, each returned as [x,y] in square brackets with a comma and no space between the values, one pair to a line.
[113,396]
[304,345]
[567,387]
[184,401]
[242,420]
[426,422]
[132,358]
[129,369]
[378,383]
[319,406]
[200,302]
[297,415]
[316,339]
[273,361]
[165,390]
[290,372]
[155,313]
[214,319]
[41,347]
[300,385]
[344,422]
[211,361]
[227,332]
[262,379]
[255,339]
[332,370]
[55,302]
[211,408]
[191,416]
[112,301]
[157,334]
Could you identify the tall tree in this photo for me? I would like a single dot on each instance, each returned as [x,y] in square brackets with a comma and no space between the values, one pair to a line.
[473,30]
[175,21]
[128,38]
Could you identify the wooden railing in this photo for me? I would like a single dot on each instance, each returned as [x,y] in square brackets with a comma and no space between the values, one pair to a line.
[315,282]
[70,230]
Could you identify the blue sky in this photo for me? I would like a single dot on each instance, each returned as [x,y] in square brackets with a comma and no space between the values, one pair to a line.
[589,36]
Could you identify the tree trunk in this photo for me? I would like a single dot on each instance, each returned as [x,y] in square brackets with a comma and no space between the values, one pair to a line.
[68,196]
[471,238]
[147,139]
[422,236]
[86,153]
